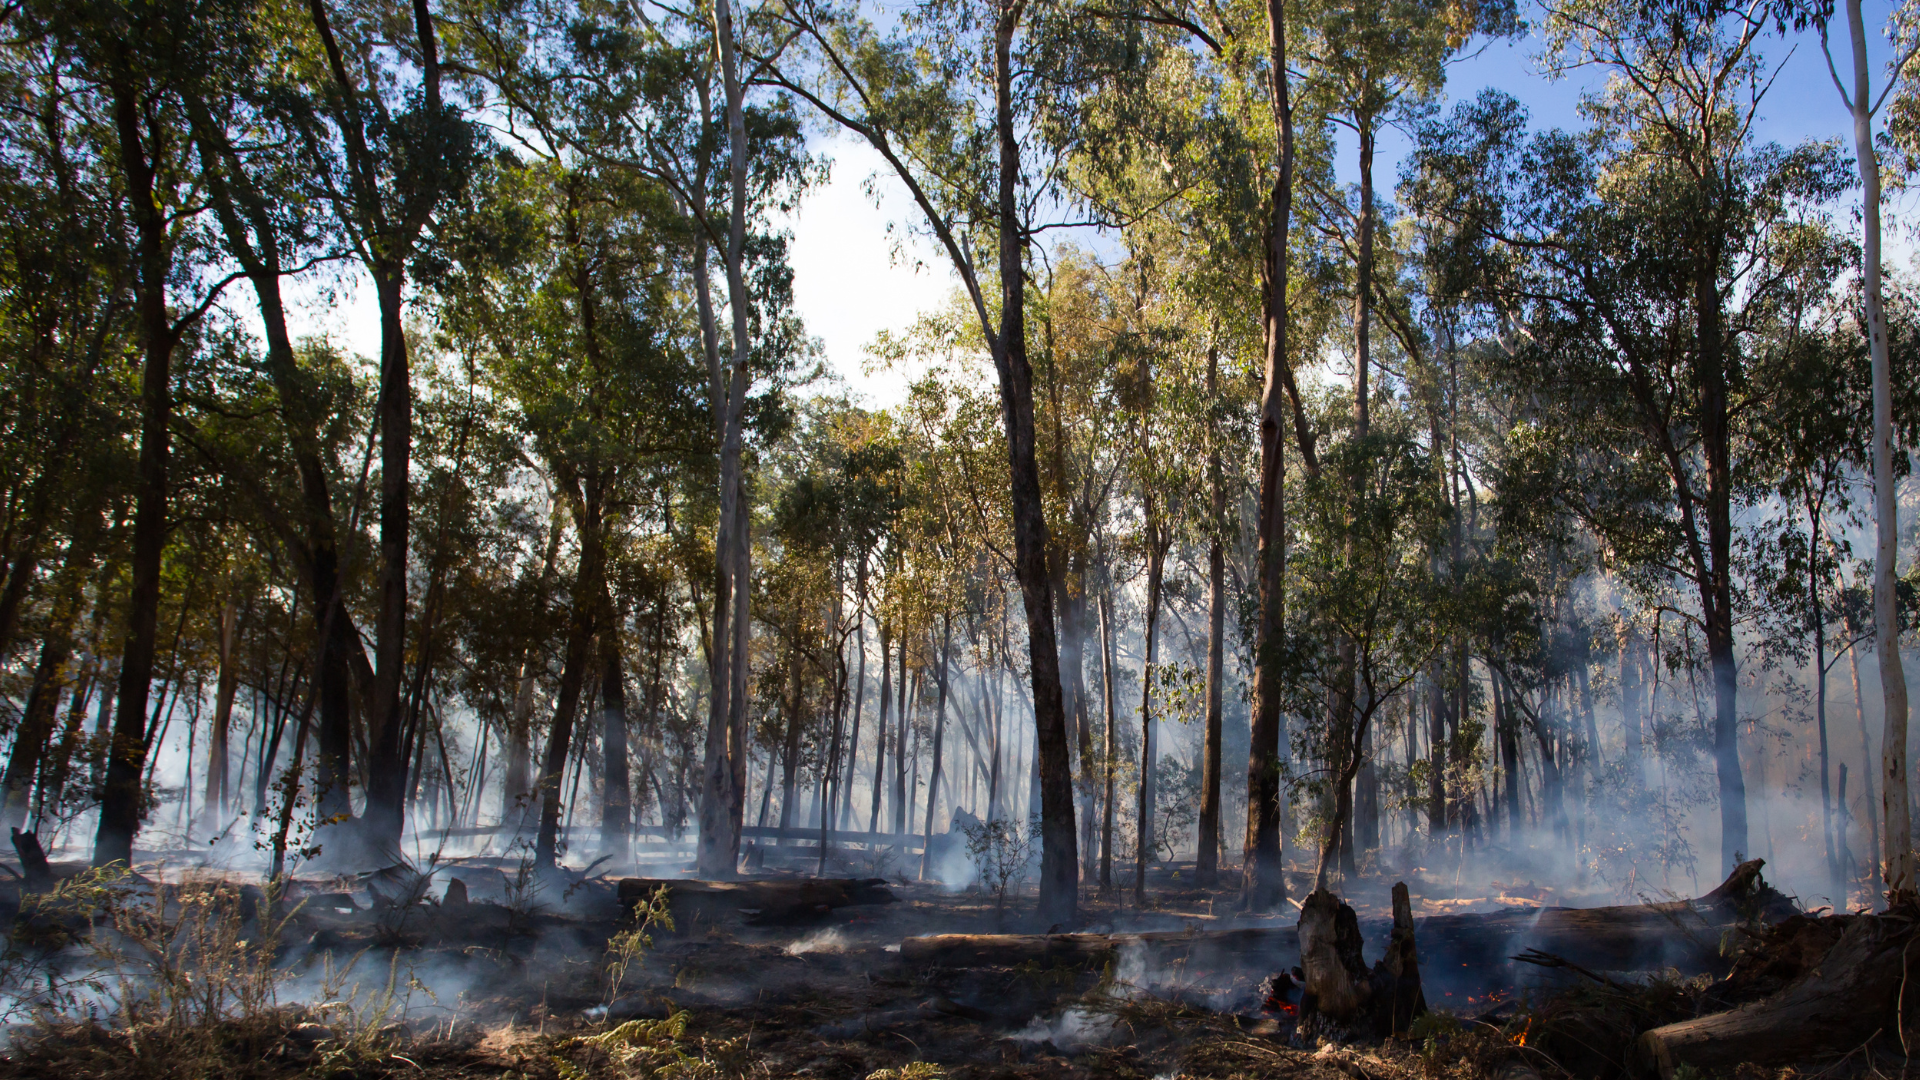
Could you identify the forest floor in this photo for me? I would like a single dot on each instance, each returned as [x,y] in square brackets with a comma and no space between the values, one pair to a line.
[515,982]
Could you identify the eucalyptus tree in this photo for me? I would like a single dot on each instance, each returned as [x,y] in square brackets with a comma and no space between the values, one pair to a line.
[63,283]
[261,194]
[128,66]
[958,85]
[1648,260]
[1809,442]
[63,435]
[1862,104]
[391,152]
[1082,460]
[634,90]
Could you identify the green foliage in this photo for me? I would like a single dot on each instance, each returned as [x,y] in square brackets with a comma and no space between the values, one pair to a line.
[626,947]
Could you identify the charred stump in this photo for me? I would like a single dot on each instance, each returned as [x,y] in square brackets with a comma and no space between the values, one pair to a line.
[1336,975]
[35,871]
[1339,986]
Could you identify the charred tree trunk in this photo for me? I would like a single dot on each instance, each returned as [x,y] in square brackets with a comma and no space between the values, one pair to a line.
[120,801]
[1059,861]
[1263,881]
[226,687]
[616,813]
[573,675]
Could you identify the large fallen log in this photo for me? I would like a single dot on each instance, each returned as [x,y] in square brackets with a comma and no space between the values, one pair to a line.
[763,902]
[1685,934]
[1691,935]
[1852,996]
[1205,950]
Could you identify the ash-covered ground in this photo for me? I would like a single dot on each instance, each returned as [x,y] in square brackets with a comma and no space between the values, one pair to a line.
[483,967]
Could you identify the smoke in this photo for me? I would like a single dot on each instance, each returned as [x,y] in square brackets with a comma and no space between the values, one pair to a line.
[1076,1028]
[830,939]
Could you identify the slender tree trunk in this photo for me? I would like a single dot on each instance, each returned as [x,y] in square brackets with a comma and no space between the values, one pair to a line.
[859,703]
[153,263]
[1263,882]
[939,734]
[588,585]
[616,813]
[1059,859]
[880,729]
[1143,833]
[1897,840]
[1834,873]
[1866,767]
[830,771]
[516,797]
[1207,847]
[1109,760]
[227,685]
[902,795]
[721,804]
[790,753]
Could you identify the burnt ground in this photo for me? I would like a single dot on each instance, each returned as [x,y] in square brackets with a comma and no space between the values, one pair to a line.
[515,982]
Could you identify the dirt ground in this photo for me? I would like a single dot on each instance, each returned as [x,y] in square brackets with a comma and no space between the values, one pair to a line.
[516,982]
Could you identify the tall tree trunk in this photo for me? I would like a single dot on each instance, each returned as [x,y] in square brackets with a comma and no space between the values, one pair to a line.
[721,803]
[939,735]
[616,813]
[859,703]
[1263,881]
[1143,832]
[830,770]
[1207,847]
[880,728]
[1110,760]
[573,675]
[153,264]
[388,257]
[589,583]
[1059,858]
[902,795]
[516,795]
[226,686]
[246,219]
[1206,870]
[1897,839]
[1866,765]
[790,756]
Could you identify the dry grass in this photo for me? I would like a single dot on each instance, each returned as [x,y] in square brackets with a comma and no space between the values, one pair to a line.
[113,976]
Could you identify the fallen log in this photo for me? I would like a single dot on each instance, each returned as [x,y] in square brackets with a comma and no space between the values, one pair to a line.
[1690,935]
[1852,996]
[764,902]
[1685,934]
